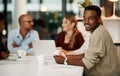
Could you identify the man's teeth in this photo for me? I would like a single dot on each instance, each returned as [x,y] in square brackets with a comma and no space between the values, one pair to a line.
[87,25]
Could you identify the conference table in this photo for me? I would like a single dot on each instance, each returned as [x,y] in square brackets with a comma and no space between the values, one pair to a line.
[31,66]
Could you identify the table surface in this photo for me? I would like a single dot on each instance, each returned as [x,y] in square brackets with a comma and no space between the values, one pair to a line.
[28,66]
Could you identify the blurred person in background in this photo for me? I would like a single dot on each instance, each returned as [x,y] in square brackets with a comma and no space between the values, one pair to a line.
[21,38]
[4,53]
[70,39]
[40,27]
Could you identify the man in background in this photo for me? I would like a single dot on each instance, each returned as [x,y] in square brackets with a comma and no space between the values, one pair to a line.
[21,38]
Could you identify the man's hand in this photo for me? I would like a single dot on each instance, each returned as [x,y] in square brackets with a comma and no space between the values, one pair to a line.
[3,55]
[59,59]
[30,45]
[14,45]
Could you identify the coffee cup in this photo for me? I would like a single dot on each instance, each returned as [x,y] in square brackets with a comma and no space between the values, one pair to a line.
[21,53]
[41,60]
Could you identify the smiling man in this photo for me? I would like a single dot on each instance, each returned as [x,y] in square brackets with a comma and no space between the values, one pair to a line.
[100,59]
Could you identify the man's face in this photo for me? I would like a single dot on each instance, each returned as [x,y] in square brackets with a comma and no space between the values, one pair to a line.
[27,23]
[1,25]
[90,20]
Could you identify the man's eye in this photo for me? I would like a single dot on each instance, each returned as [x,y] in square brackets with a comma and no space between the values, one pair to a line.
[92,18]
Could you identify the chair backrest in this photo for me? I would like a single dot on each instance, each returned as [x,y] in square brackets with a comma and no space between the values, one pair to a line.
[46,47]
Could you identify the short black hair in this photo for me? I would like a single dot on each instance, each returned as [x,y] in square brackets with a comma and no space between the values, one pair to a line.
[95,8]
[2,17]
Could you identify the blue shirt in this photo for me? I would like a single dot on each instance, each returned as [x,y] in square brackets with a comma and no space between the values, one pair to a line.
[15,37]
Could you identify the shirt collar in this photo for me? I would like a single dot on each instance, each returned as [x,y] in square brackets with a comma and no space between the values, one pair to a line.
[18,35]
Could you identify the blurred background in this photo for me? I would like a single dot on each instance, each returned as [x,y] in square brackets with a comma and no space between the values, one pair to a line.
[48,14]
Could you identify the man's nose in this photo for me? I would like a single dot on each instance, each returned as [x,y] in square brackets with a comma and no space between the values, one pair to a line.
[86,20]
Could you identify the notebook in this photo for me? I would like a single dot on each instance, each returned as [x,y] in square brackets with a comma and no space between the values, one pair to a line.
[46,47]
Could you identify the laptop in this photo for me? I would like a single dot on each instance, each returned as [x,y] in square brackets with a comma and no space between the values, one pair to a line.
[45,47]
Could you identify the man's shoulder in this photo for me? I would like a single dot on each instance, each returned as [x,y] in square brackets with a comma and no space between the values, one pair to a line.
[100,32]
[33,31]
[14,30]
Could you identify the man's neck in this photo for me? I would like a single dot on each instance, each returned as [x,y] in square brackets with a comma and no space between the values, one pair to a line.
[95,28]
[23,33]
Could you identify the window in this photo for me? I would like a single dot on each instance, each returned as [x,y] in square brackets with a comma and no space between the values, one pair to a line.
[118,8]
[29,1]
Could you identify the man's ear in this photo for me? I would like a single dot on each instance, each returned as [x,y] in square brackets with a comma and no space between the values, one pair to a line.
[100,21]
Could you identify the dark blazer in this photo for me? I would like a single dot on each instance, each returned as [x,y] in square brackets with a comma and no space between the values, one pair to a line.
[2,46]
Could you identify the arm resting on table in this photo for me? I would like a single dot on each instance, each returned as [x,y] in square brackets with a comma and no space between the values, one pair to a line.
[71,59]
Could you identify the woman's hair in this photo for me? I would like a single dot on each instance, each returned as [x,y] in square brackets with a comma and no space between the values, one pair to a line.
[72,19]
